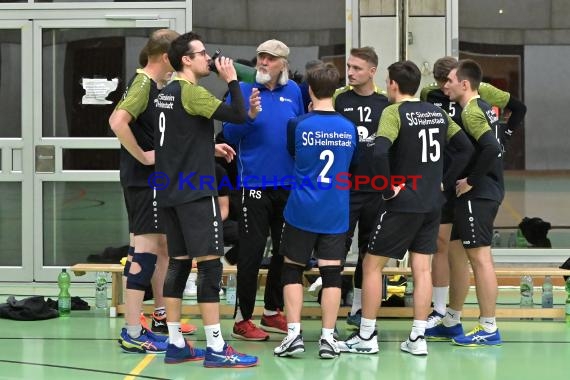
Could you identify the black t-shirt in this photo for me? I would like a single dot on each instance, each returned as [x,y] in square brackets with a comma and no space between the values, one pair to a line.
[184,142]
[364,112]
[139,94]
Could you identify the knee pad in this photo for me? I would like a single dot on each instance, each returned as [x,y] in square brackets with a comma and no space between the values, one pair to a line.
[331,275]
[141,280]
[130,253]
[292,274]
[176,276]
[209,278]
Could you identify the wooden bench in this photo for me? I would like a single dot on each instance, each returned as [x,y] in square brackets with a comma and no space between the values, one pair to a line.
[513,311]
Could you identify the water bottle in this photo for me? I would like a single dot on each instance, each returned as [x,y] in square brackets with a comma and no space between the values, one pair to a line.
[496,242]
[520,240]
[526,291]
[101,290]
[512,240]
[244,73]
[409,292]
[64,298]
[568,300]
[547,294]
[231,290]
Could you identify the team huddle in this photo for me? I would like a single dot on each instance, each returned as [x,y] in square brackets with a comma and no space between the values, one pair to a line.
[446,149]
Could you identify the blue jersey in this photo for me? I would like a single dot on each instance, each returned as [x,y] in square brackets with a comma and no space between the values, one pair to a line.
[323,144]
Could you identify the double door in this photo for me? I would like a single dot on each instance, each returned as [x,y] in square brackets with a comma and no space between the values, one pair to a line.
[60,199]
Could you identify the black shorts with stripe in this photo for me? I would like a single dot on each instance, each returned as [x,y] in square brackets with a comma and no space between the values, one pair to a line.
[474,219]
[398,232]
[142,211]
[298,245]
[194,228]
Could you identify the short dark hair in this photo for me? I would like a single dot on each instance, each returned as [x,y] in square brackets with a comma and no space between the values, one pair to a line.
[407,75]
[323,80]
[366,53]
[158,43]
[180,47]
[469,70]
[442,67]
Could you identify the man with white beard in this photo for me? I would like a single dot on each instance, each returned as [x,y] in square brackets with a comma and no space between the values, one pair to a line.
[265,171]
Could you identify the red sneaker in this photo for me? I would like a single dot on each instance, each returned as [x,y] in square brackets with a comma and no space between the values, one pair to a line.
[247,330]
[274,323]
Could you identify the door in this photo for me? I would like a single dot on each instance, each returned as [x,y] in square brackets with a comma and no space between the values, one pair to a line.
[63,165]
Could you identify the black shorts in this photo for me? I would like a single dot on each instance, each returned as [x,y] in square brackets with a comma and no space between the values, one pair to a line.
[448,212]
[398,232]
[474,220]
[298,245]
[142,210]
[194,228]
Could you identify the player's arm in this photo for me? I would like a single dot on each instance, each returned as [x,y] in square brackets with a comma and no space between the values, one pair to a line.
[518,112]
[460,149]
[388,130]
[490,150]
[235,111]
[233,132]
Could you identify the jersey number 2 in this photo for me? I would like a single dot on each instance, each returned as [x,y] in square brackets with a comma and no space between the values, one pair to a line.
[327,155]
[435,154]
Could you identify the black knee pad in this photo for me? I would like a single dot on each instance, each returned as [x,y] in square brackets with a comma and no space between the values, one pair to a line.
[127,268]
[130,253]
[209,278]
[176,276]
[141,280]
[292,274]
[331,275]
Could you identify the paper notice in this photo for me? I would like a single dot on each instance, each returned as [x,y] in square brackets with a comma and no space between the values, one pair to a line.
[97,90]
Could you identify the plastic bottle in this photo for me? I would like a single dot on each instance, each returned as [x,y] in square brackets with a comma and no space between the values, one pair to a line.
[101,290]
[526,291]
[568,300]
[244,73]
[520,240]
[512,240]
[231,290]
[496,242]
[64,298]
[547,294]
[409,292]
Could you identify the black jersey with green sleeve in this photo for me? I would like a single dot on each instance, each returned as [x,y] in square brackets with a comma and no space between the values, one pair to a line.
[478,118]
[489,93]
[141,90]
[419,132]
[184,142]
[364,112]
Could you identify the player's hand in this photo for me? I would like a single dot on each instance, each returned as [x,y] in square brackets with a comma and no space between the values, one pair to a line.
[225,151]
[226,69]
[462,187]
[148,158]
[254,103]
[396,190]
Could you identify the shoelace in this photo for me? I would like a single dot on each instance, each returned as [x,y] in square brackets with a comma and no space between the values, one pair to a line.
[474,331]
[230,351]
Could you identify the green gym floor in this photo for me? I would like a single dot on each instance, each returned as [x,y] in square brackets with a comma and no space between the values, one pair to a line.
[84,346]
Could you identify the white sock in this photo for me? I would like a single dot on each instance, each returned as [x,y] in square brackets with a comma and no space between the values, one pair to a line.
[239,316]
[269,313]
[418,328]
[175,335]
[293,329]
[356,301]
[134,331]
[367,327]
[440,298]
[327,333]
[489,324]
[214,338]
[452,317]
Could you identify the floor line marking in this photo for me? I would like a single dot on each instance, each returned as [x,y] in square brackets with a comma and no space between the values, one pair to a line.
[140,367]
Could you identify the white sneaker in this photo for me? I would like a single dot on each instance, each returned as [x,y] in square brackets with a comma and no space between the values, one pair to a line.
[358,345]
[417,346]
[433,319]
[191,289]
[290,345]
[316,287]
[328,348]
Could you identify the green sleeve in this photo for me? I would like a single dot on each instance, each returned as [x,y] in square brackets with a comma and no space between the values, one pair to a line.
[389,125]
[135,100]
[426,90]
[492,95]
[198,101]
[453,128]
[474,121]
